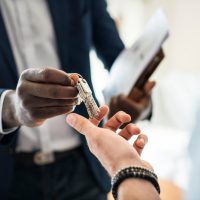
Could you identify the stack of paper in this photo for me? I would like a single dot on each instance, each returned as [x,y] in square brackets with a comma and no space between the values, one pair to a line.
[131,62]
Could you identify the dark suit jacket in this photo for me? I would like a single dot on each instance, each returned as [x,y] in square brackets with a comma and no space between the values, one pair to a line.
[79,25]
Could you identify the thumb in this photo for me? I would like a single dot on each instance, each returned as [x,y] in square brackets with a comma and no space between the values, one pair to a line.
[149,87]
[81,124]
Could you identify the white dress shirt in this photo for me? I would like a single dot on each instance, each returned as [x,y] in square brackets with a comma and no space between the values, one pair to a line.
[30,31]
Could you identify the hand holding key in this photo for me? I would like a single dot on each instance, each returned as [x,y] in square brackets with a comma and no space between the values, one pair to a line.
[40,94]
[45,93]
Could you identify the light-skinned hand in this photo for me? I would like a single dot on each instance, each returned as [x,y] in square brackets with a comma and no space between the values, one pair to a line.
[111,148]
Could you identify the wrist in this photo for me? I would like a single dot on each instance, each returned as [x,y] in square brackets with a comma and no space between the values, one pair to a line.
[144,189]
[135,176]
[9,117]
[125,163]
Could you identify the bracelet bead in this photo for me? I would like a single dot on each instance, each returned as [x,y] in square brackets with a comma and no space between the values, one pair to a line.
[133,172]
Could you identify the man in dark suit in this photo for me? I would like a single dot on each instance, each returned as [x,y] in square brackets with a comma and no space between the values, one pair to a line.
[47,159]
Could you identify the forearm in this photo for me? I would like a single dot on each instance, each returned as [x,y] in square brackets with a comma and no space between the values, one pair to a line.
[137,189]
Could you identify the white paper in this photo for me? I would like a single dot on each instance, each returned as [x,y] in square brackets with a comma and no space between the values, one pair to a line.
[131,62]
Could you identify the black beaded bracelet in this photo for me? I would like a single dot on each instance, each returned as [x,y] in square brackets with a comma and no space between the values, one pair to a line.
[133,172]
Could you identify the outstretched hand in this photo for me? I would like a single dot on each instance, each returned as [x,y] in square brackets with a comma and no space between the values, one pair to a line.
[112,149]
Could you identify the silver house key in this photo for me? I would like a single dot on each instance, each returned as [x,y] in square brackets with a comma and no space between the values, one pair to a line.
[85,94]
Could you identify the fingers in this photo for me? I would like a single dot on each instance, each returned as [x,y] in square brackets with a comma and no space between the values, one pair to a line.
[35,102]
[47,91]
[129,106]
[136,94]
[47,75]
[117,120]
[45,113]
[132,107]
[75,78]
[140,143]
[103,112]
[81,124]
[149,87]
[128,131]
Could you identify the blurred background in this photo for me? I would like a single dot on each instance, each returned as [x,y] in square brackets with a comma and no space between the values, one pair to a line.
[176,98]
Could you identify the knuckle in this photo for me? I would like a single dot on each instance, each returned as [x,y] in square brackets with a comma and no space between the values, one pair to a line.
[129,129]
[45,73]
[130,126]
[21,89]
[24,74]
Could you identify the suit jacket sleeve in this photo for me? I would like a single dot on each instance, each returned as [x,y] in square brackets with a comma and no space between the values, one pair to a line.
[106,39]
[7,139]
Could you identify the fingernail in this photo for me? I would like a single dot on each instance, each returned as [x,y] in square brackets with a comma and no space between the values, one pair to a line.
[71,119]
[142,141]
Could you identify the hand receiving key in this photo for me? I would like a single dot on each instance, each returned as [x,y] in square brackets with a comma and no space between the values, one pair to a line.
[85,94]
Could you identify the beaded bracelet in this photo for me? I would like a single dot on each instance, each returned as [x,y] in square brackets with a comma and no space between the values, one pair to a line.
[133,172]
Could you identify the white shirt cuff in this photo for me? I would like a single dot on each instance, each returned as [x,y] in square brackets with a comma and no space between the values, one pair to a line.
[4,131]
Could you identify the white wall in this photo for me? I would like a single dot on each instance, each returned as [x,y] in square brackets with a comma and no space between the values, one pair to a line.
[178,79]
[183,47]
[177,74]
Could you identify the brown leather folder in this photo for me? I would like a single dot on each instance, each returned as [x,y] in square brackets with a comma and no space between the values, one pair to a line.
[146,74]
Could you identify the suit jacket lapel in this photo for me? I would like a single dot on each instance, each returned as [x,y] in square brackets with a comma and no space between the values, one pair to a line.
[60,17]
[5,48]
[61,14]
